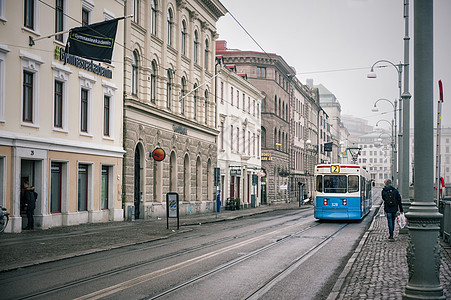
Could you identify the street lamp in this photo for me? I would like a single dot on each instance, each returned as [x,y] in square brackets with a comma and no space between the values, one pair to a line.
[394,131]
[372,74]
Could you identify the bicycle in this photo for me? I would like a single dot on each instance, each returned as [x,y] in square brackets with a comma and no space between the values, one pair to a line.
[4,218]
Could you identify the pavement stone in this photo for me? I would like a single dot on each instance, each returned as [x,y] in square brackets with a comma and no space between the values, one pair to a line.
[376,270]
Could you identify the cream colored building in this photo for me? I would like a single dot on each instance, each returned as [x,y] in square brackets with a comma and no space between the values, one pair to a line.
[169,103]
[60,124]
[239,148]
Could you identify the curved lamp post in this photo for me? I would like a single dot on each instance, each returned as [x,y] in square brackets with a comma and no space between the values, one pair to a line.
[372,74]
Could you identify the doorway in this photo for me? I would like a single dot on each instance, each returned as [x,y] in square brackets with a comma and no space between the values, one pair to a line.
[137,182]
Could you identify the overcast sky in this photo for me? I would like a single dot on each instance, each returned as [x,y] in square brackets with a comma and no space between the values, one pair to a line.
[335,42]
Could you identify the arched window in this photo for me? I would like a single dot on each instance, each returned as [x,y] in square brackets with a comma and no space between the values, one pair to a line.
[263,137]
[153,17]
[183,46]
[275,105]
[196,46]
[283,111]
[169,90]
[135,73]
[182,96]
[275,137]
[172,172]
[195,102]
[206,106]
[153,82]
[207,49]
[198,180]
[186,178]
[170,25]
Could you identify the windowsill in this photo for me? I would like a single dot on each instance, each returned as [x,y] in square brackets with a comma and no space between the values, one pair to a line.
[3,19]
[86,134]
[108,138]
[30,31]
[62,130]
[32,125]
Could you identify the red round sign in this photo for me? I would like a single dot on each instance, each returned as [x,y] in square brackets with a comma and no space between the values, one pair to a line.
[158,154]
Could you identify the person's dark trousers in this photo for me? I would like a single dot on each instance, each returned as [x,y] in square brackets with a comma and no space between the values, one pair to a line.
[391,223]
[30,214]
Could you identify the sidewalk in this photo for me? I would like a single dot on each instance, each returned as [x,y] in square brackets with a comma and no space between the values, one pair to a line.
[32,247]
[378,268]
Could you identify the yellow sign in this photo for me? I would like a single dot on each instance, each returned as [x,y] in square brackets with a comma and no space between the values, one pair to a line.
[266,156]
[335,169]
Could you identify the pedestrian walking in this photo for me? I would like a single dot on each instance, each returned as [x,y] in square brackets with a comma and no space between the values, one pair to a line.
[392,200]
[30,197]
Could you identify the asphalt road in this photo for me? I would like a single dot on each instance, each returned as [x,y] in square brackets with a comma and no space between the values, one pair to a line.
[278,255]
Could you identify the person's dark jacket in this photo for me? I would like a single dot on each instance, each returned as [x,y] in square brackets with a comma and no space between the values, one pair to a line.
[394,208]
[30,198]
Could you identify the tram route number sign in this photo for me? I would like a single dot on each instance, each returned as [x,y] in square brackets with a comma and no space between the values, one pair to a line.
[335,169]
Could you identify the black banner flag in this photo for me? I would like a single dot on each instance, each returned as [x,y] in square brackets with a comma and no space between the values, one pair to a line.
[93,41]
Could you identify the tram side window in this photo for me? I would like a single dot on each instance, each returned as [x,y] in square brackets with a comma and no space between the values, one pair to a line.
[335,183]
[319,183]
[353,183]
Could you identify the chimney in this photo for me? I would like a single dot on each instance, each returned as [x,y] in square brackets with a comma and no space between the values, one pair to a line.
[221,45]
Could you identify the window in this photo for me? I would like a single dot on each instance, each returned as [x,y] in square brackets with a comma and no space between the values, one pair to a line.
[106,115]
[238,139]
[183,46]
[104,188]
[231,96]
[55,192]
[58,105]
[27,115]
[263,105]
[135,73]
[83,187]
[29,14]
[263,137]
[221,136]
[136,11]
[231,137]
[182,96]
[153,82]
[196,46]
[84,110]
[261,72]
[170,26]
[237,98]
[153,18]
[253,144]
[206,106]
[335,183]
[169,90]
[85,16]
[3,51]
[195,102]
[207,49]
[2,9]
[222,91]
[59,19]
[275,105]
[244,141]
[353,183]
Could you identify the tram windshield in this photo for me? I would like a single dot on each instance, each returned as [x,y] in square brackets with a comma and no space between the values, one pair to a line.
[337,183]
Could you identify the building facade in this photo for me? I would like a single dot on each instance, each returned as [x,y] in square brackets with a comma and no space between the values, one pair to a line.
[169,103]
[289,134]
[239,125]
[60,121]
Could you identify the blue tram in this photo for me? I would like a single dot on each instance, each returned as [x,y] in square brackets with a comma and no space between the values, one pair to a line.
[342,192]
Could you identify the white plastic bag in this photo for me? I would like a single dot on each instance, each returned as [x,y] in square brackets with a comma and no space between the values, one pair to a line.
[401,220]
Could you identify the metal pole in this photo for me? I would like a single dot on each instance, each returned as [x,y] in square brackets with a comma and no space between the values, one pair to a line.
[395,150]
[423,254]
[404,183]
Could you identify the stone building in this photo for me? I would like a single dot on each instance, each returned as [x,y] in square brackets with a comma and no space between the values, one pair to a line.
[60,121]
[169,103]
[281,159]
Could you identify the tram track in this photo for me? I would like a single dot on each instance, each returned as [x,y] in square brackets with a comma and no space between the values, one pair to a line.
[293,218]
